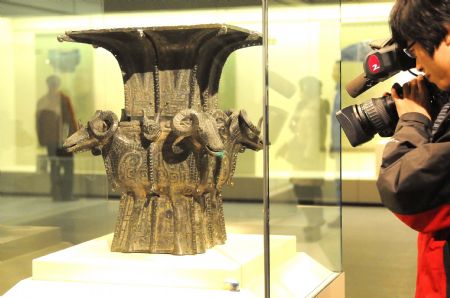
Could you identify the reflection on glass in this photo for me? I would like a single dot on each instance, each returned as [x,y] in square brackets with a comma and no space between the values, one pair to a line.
[309,126]
[304,148]
[360,164]
[55,120]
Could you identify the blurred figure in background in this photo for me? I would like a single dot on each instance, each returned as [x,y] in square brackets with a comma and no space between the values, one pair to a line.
[55,120]
[306,151]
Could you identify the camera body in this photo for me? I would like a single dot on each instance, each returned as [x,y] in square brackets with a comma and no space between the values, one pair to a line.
[379,115]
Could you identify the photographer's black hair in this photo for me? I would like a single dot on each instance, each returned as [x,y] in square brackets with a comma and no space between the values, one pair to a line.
[422,21]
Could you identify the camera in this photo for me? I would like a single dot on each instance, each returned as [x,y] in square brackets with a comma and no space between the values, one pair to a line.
[361,122]
[378,115]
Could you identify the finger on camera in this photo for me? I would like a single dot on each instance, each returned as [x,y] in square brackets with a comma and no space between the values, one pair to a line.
[414,88]
[421,86]
[406,89]
[394,94]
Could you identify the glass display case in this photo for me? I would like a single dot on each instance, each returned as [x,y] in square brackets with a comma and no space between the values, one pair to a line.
[303,159]
[282,208]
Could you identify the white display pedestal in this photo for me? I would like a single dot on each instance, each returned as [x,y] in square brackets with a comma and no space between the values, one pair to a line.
[91,270]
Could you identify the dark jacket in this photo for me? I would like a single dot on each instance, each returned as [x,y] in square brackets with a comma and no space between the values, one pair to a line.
[52,114]
[414,183]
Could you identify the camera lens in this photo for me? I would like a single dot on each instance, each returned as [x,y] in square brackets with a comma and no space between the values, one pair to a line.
[361,122]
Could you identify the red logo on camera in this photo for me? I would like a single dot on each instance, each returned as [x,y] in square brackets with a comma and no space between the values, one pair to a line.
[374,63]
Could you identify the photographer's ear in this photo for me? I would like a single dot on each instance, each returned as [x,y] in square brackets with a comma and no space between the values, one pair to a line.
[447,37]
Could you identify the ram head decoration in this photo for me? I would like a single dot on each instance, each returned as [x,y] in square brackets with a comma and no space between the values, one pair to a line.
[95,135]
[201,128]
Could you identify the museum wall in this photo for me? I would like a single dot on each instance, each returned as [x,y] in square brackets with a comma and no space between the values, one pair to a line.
[7,104]
[96,81]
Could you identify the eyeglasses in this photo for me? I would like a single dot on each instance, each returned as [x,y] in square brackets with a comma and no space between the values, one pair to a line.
[408,51]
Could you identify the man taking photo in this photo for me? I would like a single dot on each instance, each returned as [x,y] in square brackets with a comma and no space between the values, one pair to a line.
[414,181]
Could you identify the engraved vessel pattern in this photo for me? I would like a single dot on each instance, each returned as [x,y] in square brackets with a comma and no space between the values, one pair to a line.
[172,150]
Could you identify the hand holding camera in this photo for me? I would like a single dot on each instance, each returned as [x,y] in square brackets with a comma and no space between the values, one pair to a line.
[414,97]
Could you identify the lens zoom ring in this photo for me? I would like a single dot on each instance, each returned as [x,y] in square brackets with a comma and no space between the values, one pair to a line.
[373,114]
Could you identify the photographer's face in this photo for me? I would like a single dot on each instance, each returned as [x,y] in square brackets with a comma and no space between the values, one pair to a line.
[437,67]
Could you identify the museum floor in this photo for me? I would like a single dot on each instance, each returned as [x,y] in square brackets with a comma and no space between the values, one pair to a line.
[378,251]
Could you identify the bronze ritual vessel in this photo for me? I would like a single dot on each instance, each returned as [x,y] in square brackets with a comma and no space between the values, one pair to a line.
[173,149]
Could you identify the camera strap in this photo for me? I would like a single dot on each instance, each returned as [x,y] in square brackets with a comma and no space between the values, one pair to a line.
[441,116]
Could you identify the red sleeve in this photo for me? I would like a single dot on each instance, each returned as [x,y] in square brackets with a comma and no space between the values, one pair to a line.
[70,114]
